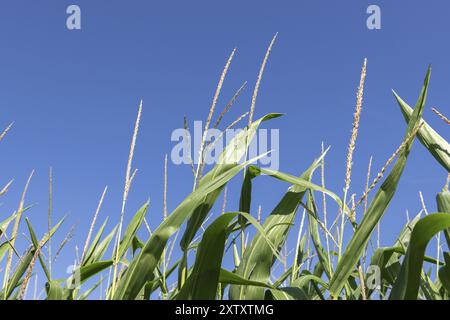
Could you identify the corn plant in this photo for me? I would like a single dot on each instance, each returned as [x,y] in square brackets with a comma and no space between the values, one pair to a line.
[122,264]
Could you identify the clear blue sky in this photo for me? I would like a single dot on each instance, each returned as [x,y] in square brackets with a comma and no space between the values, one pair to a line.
[73,95]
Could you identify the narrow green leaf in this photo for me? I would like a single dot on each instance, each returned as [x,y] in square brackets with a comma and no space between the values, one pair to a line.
[408,281]
[258,257]
[132,229]
[26,260]
[443,205]
[204,279]
[436,145]
[143,265]
[88,256]
[378,206]
[35,242]
[444,273]
[227,277]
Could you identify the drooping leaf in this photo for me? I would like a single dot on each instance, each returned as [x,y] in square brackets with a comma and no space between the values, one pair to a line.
[408,281]
[436,145]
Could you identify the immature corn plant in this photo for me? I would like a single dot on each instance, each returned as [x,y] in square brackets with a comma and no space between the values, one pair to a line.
[324,265]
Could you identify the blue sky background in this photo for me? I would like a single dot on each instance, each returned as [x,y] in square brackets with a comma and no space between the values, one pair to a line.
[73,96]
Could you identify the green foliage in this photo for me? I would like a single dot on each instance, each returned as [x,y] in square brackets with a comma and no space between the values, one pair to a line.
[316,272]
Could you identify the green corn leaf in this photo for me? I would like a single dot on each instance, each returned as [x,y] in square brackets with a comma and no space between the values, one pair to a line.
[132,229]
[136,245]
[226,277]
[3,249]
[300,182]
[35,242]
[55,291]
[309,278]
[204,279]
[286,293]
[444,273]
[246,196]
[428,287]
[153,285]
[315,236]
[101,248]
[143,265]
[89,291]
[5,223]
[79,276]
[258,258]
[388,259]
[26,260]
[233,152]
[86,272]
[378,206]
[436,145]
[443,205]
[408,281]
[88,256]
[19,272]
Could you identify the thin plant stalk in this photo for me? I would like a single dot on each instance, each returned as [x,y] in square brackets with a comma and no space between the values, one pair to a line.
[165,189]
[35,287]
[3,134]
[229,105]
[299,236]
[164,218]
[208,120]
[224,203]
[351,149]
[324,204]
[66,240]
[362,284]
[29,272]
[15,232]
[94,219]
[252,111]
[128,180]
[188,142]
[386,165]
[49,217]
[440,115]
[258,81]
[6,187]
[366,188]
[369,168]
